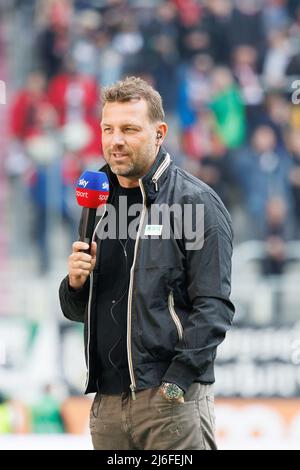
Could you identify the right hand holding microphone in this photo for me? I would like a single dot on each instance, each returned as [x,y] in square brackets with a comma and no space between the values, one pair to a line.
[92,191]
[81,264]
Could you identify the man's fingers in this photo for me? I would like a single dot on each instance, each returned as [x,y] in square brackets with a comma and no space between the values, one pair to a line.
[79,246]
[94,249]
[79,256]
[81,265]
[80,272]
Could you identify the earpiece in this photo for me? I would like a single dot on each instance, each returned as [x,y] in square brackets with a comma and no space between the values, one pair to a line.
[158,135]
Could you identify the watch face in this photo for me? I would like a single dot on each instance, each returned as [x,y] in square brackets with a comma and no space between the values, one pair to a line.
[173,391]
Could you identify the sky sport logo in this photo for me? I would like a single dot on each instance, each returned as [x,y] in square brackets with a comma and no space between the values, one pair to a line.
[2,92]
[83,182]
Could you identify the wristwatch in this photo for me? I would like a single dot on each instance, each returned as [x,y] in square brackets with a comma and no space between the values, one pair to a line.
[171,392]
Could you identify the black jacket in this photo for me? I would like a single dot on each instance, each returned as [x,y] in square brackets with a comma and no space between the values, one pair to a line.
[178,301]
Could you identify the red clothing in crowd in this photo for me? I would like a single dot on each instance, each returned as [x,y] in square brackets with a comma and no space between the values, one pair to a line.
[25,112]
[76,97]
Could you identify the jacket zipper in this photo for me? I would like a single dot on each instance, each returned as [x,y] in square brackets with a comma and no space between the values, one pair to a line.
[174,315]
[129,350]
[155,178]
[160,170]
[89,307]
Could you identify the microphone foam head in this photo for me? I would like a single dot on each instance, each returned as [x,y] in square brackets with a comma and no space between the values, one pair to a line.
[92,189]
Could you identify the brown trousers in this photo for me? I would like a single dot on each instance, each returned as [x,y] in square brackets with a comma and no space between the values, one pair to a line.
[152,423]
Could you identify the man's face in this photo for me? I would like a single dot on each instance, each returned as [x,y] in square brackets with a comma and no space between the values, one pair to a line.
[128,138]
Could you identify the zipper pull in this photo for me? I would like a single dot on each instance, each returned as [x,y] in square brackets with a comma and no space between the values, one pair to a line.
[132,392]
[155,184]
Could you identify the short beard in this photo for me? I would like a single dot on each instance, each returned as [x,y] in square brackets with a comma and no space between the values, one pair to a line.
[131,171]
[134,170]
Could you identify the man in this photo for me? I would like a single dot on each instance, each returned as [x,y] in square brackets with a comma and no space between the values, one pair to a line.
[155,308]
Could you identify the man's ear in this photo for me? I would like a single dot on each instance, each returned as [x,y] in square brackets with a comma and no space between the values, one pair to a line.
[161,132]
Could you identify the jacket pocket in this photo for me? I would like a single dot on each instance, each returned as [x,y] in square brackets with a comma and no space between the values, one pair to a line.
[174,315]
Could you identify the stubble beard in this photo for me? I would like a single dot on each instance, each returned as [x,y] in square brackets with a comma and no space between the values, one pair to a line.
[132,169]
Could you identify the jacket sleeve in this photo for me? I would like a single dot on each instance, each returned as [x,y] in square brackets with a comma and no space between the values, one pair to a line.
[73,302]
[208,274]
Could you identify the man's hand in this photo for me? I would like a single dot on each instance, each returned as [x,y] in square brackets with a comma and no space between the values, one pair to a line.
[81,264]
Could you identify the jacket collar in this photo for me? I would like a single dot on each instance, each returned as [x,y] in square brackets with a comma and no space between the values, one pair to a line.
[152,181]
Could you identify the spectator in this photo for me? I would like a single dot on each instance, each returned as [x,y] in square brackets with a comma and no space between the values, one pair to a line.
[194,90]
[217,20]
[247,27]
[245,71]
[54,38]
[276,60]
[85,51]
[13,416]
[262,170]
[76,98]
[26,106]
[294,176]
[228,108]
[45,414]
[276,223]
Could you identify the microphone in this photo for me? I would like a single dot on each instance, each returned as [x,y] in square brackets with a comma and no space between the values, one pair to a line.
[92,191]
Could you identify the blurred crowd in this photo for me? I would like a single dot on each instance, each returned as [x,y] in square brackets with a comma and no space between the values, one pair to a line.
[51,413]
[227,71]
